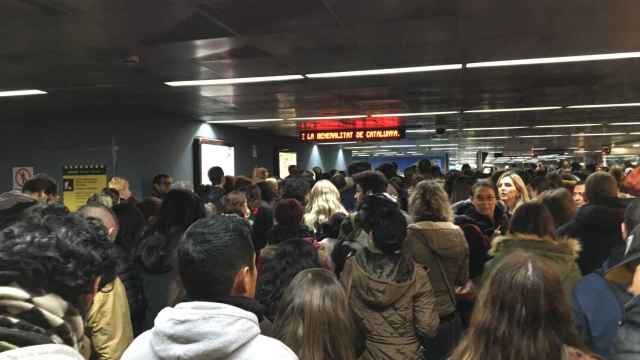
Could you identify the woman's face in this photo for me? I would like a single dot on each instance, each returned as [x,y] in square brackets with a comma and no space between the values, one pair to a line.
[484,200]
[508,191]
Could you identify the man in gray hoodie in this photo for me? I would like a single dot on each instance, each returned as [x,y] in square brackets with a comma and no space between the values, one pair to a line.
[220,318]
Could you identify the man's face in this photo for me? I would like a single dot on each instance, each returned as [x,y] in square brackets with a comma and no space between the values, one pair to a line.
[165,185]
[578,195]
[484,200]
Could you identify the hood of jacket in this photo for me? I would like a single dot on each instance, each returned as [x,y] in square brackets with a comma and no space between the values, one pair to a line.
[380,280]
[601,216]
[12,198]
[562,248]
[440,236]
[280,233]
[202,330]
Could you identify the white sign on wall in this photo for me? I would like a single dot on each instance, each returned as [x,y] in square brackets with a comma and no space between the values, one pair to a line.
[21,174]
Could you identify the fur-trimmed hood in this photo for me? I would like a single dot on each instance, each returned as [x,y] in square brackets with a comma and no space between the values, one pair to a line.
[561,246]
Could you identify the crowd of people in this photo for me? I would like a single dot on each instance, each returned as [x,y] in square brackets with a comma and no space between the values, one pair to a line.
[526,263]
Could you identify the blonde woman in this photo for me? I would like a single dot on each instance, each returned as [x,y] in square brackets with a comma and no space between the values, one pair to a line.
[324,201]
[512,191]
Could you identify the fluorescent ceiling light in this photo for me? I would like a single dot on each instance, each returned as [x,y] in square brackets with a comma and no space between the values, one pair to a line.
[599,134]
[390,71]
[555,60]
[541,136]
[397,146]
[242,121]
[623,123]
[21,93]
[636,145]
[540,108]
[488,138]
[338,143]
[482,147]
[416,114]
[634,133]
[437,145]
[538,149]
[565,125]
[420,131]
[496,128]
[443,149]
[361,147]
[330,117]
[598,106]
[233,81]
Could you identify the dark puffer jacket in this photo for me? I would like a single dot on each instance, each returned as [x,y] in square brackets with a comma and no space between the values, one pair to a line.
[598,229]
[393,299]
[479,230]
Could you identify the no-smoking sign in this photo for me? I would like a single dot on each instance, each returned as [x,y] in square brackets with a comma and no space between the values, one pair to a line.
[21,174]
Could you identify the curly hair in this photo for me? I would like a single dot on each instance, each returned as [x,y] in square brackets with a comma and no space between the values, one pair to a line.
[324,201]
[52,251]
[291,257]
[429,202]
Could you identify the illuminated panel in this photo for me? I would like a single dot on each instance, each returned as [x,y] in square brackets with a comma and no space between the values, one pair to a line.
[350,135]
[366,123]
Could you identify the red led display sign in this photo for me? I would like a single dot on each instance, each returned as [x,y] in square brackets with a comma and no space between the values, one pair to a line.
[352,135]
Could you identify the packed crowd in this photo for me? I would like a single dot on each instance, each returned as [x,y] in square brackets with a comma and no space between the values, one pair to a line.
[527,263]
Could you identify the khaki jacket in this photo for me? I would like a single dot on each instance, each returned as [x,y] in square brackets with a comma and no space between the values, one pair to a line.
[434,244]
[109,322]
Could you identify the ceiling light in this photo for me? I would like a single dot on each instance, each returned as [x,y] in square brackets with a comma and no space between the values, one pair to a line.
[541,136]
[361,147]
[540,108]
[538,149]
[437,145]
[488,138]
[496,128]
[599,106]
[555,60]
[390,71]
[233,81]
[623,124]
[636,145]
[634,133]
[242,121]
[416,114]
[397,146]
[599,134]
[21,93]
[482,147]
[443,149]
[337,117]
[338,143]
[420,131]
[565,125]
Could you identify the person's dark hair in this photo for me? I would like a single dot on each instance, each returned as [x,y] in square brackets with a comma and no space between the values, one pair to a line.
[533,218]
[560,204]
[539,184]
[524,300]
[157,180]
[382,217]
[267,193]
[618,173]
[288,212]
[424,167]
[358,167]
[41,183]
[229,184]
[297,188]
[131,225]
[314,318]
[212,253]
[243,183]
[599,187]
[52,251]
[291,257]
[150,208]
[388,170]
[371,182]
[339,181]
[483,184]
[331,228]
[632,215]
[216,175]
[554,181]
[234,203]
[409,173]
[293,170]
[179,210]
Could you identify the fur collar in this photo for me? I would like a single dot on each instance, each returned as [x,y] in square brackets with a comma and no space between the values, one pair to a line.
[567,245]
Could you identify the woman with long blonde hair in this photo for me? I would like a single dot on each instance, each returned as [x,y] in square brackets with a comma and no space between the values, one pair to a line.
[512,191]
[324,201]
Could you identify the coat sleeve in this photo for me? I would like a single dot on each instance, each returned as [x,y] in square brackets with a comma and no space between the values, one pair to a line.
[426,317]
[110,322]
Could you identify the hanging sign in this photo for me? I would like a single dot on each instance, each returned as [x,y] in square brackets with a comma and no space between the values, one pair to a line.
[352,135]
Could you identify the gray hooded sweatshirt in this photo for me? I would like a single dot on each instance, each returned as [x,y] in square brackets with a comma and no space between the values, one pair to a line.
[206,331]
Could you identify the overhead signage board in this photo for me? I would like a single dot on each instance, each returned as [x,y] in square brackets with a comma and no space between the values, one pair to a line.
[80,182]
[344,135]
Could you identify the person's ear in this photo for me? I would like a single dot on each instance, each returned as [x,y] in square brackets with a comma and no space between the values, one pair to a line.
[245,282]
